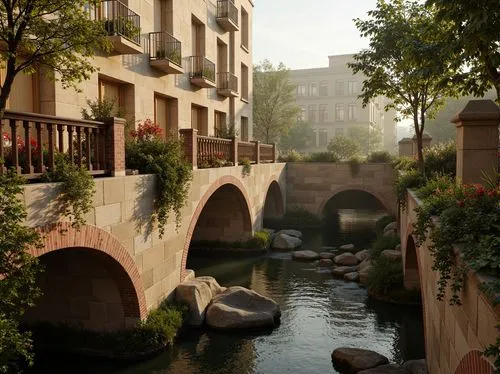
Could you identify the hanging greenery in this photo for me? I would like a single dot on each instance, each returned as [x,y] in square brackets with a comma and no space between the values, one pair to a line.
[77,189]
[150,154]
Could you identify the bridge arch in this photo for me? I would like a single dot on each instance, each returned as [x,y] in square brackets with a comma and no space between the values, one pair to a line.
[90,279]
[354,188]
[222,213]
[274,205]
[474,362]
[411,265]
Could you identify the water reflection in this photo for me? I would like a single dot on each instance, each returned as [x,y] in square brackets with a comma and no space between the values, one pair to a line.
[319,314]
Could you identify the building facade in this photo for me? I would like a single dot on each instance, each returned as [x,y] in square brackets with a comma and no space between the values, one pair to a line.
[328,101]
[181,63]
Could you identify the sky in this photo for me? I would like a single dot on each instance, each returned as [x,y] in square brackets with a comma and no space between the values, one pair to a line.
[303,33]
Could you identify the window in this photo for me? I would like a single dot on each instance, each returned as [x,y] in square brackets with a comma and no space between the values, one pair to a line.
[198,37]
[352,87]
[323,88]
[221,57]
[351,112]
[199,119]
[339,112]
[167,16]
[312,113]
[244,82]
[123,95]
[166,115]
[323,138]
[244,29]
[313,89]
[302,114]
[301,90]
[312,139]
[339,88]
[323,113]
[220,125]
[244,129]
[339,131]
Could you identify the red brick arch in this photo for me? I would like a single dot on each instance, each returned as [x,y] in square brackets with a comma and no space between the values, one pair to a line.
[227,179]
[474,363]
[64,236]
[383,200]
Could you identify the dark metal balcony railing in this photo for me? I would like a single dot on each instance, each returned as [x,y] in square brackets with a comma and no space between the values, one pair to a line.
[120,20]
[201,67]
[162,45]
[227,81]
[227,9]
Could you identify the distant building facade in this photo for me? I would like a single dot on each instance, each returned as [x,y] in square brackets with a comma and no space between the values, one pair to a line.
[328,100]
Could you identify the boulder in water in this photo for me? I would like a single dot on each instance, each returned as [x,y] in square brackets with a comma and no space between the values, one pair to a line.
[241,308]
[286,242]
[346,259]
[290,232]
[327,255]
[325,263]
[347,247]
[385,369]
[351,277]
[305,255]
[215,288]
[416,366]
[362,255]
[196,295]
[353,360]
[340,271]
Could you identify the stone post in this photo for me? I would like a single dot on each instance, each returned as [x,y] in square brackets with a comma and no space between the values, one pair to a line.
[257,151]
[405,147]
[274,152]
[477,141]
[190,139]
[234,150]
[115,146]
[426,143]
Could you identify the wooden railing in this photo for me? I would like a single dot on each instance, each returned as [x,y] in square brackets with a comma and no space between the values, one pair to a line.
[29,142]
[206,151]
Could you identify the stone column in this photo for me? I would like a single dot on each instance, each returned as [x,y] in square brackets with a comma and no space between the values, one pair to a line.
[190,139]
[274,152]
[405,147]
[234,150]
[257,152]
[115,146]
[477,141]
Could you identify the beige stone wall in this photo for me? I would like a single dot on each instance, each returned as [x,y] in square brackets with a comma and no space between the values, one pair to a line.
[311,185]
[140,82]
[123,207]
[452,333]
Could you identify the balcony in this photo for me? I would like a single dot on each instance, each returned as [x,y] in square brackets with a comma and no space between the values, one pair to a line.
[227,15]
[227,84]
[202,72]
[165,53]
[122,25]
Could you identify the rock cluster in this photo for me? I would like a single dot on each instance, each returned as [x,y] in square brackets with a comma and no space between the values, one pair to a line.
[226,308]
[286,240]
[363,361]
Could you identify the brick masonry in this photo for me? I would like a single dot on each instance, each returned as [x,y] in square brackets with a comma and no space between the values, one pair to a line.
[119,226]
[454,335]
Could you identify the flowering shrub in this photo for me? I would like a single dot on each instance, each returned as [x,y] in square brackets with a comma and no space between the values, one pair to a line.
[468,217]
[21,150]
[212,160]
[147,130]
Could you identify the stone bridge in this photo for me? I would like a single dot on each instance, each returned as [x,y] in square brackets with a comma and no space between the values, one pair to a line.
[115,268]
[455,336]
[313,185]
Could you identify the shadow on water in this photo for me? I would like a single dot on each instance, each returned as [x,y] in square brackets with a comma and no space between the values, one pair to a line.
[319,314]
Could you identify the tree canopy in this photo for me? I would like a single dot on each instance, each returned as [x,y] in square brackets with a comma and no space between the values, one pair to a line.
[407,61]
[300,136]
[368,137]
[18,270]
[342,147]
[53,36]
[274,108]
[474,35]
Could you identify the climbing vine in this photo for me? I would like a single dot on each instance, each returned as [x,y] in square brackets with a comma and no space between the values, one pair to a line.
[77,189]
[150,154]
[464,217]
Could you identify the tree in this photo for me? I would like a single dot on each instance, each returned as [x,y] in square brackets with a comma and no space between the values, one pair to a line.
[343,147]
[299,137]
[274,108]
[407,61]
[18,272]
[56,37]
[474,35]
[368,138]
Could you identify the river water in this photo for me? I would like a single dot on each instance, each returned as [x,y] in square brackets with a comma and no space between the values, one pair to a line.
[319,314]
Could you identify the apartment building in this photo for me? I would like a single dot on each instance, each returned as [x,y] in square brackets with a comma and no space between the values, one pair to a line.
[328,100]
[183,63]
